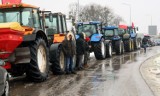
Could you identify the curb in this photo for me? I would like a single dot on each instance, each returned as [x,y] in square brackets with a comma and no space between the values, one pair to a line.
[142,73]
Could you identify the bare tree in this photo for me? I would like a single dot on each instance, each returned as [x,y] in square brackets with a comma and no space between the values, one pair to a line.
[95,12]
[73,13]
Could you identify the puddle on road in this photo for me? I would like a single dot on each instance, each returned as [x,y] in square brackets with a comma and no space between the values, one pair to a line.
[108,69]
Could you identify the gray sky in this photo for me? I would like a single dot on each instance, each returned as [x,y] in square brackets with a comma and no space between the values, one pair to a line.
[142,10]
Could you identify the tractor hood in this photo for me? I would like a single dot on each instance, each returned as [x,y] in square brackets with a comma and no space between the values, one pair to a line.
[12,26]
[11,36]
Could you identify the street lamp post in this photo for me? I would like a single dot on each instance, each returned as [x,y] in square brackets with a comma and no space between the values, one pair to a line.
[129,5]
[78,10]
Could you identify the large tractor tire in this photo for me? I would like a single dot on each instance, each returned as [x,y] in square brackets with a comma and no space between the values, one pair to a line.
[128,45]
[118,47]
[109,50]
[38,67]
[100,50]
[135,44]
[57,59]
[132,45]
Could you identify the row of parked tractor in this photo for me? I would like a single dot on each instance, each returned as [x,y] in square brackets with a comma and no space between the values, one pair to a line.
[108,39]
[30,40]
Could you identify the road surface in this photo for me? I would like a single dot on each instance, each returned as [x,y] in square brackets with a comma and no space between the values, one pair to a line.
[116,76]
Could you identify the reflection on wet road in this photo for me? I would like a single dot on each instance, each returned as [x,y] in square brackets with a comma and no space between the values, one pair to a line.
[116,76]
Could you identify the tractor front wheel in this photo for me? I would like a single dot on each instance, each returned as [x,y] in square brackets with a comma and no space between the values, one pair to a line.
[100,50]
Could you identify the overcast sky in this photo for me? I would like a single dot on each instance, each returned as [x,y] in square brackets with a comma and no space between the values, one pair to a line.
[142,10]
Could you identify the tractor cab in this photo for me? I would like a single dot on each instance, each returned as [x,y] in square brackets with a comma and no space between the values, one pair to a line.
[111,33]
[55,26]
[26,16]
[89,28]
[132,31]
[122,30]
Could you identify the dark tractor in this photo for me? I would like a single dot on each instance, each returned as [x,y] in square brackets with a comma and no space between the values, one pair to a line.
[100,46]
[130,38]
[111,33]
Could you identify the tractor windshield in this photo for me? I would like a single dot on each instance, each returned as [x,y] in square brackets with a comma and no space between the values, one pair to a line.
[87,28]
[109,32]
[121,31]
[131,30]
[52,25]
[23,16]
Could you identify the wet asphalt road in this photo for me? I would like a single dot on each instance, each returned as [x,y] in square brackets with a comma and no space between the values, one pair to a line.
[116,76]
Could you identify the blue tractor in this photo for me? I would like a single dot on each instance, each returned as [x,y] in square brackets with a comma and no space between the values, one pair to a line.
[93,31]
[111,33]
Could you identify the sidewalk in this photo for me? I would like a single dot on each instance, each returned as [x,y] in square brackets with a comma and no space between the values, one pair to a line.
[150,70]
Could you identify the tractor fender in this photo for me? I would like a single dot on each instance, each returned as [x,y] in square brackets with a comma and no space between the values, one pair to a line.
[108,41]
[96,37]
[54,48]
[32,37]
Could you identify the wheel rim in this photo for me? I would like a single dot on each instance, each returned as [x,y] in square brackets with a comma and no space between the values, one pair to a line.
[41,56]
[123,48]
[110,50]
[102,48]
[130,45]
[139,44]
[120,48]
[7,88]
[62,63]
[82,59]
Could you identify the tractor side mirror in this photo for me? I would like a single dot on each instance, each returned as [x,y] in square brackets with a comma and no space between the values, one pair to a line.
[50,17]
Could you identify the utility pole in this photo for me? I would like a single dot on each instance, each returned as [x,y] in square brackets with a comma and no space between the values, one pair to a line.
[78,11]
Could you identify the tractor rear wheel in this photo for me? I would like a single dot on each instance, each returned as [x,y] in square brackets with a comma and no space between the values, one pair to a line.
[100,50]
[127,45]
[135,44]
[118,47]
[38,67]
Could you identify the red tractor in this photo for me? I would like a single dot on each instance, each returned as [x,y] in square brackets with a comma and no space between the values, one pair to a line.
[24,45]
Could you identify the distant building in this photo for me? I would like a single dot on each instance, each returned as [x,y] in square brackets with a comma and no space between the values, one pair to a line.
[152,30]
